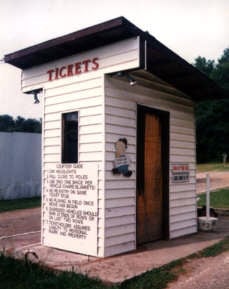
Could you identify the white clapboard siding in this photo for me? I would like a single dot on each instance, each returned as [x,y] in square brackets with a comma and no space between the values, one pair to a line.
[182,123]
[82,86]
[182,145]
[181,159]
[184,217]
[120,119]
[108,109]
[181,195]
[52,125]
[52,117]
[183,209]
[131,114]
[116,240]
[79,95]
[122,202]
[181,232]
[175,188]
[118,212]
[51,149]
[118,48]
[91,129]
[91,147]
[121,220]
[118,194]
[85,93]
[182,202]
[120,230]
[93,119]
[90,156]
[134,92]
[181,138]
[117,184]
[182,130]
[111,58]
[52,141]
[77,103]
[52,132]
[180,225]
[181,152]
[120,248]
[90,138]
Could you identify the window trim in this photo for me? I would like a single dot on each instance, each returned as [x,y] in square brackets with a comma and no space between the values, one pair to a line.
[62,137]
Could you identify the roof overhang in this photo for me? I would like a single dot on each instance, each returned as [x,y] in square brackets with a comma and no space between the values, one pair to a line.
[155,57]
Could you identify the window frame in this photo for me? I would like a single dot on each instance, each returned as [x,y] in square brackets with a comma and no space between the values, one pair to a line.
[63,161]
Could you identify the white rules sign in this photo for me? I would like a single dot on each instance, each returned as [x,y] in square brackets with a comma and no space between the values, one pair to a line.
[70,207]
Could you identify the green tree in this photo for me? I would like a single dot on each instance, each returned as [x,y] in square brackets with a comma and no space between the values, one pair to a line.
[204,65]
[221,71]
[212,117]
[31,125]
[19,123]
[6,123]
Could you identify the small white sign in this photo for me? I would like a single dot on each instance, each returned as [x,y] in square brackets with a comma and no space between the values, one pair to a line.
[70,207]
[180,173]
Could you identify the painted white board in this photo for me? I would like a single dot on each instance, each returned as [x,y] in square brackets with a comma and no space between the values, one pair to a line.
[70,207]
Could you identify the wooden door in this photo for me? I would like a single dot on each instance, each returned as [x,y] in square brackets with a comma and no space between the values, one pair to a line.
[150,215]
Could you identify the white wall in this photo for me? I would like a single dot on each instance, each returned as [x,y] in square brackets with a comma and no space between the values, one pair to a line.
[107,111]
[120,193]
[83,93]
[20,165]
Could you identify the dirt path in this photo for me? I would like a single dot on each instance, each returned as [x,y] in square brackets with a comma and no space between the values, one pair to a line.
[14,223]
[218,180]
[204,273]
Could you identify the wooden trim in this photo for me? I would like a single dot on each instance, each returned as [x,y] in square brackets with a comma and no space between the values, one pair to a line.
[140,150]
[164,117]
[142,52]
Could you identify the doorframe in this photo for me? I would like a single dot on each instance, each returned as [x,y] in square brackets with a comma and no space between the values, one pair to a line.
[165,122]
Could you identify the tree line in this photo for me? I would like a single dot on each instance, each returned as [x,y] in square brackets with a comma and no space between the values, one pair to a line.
[20,124]
[212,117]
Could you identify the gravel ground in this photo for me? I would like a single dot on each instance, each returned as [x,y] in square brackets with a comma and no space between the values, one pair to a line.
[205,273]
[212,272]
[218,180]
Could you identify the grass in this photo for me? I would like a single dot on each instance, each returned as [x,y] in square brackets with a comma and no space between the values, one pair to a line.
[216,249]
[10,205]
[218,199]
[210,167]
[157,278]
[18,274]
[33,276]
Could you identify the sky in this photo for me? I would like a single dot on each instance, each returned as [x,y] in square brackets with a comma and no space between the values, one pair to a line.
[191,28]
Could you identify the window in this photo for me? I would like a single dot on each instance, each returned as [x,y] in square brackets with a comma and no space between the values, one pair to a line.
[70,137]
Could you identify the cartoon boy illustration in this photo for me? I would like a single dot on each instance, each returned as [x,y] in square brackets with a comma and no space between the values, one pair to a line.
[121,162]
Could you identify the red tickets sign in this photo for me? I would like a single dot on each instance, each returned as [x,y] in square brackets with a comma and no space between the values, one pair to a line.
[76,68]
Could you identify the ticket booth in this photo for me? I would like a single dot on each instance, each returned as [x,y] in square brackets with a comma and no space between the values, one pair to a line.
[118,149]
